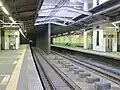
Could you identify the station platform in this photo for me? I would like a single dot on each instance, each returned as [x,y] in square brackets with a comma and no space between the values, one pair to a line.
[114,55]
[18,71]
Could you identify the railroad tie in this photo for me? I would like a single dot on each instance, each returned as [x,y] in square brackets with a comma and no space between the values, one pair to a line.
[103,85]
[68,65]
[76,71]
[62,62]
[84,74]
[92,79]
[72,68]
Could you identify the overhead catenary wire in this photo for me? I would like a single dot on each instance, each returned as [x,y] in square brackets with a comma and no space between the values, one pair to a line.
[55,9]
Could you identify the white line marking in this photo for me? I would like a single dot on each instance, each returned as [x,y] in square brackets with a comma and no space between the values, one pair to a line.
[18,56]
[15,62]
[5,80]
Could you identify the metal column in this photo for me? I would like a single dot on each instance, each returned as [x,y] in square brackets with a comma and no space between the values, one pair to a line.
[49,38]
[43,39]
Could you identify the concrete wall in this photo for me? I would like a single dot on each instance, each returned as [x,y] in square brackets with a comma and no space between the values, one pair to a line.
[105,32]
[109,39]
[2,39]
[114,42]
[118,40]
[111,31]
[23,40]
[100,2]
[6,39]
[99,47]
[88,40]
[11,38]
[85,40]
[43,38]
[17,39]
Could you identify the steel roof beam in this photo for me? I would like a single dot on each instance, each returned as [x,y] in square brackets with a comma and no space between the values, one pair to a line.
[97,14]
[70,9]
[54,18]
[53,22]
[80,11]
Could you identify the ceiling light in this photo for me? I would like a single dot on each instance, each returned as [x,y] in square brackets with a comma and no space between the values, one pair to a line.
[20,30]
[1,4]
[77,36]
[72,32]
[5,10]
[59,34]
[2,21]
[65,33]
[12,19]
[72,0]
[115,25]
[116,22]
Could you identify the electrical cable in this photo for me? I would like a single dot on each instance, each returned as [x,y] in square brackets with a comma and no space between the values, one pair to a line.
[56,9]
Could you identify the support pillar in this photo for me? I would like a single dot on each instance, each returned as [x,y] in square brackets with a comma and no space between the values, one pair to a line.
[102,1]
[85,40]
[94,3]
[43,40]
[17,33]
[85,5]
[49,38]
[0,40]
[118,40]
[6,36]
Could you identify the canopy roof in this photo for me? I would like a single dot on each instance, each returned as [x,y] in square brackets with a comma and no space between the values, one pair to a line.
[61,12]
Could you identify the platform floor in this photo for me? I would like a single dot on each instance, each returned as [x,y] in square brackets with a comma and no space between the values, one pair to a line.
[18,71]
[114,55]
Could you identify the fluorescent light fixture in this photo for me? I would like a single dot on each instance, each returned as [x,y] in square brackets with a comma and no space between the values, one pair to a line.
[25,31]
[59,34]
[65,33]
[12,19]
[116,22]
[2,21]
[72,32]
[77,36]
[20,30]
[72,0]
[5,10]
[1,4]
[115,25]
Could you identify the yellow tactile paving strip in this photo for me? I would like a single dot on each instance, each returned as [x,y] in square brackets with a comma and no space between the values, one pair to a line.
[12,84]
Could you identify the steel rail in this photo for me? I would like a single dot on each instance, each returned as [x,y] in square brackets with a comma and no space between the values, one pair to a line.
[108,74]
[67,80]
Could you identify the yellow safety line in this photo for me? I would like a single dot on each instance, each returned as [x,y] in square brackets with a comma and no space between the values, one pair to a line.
[12,84]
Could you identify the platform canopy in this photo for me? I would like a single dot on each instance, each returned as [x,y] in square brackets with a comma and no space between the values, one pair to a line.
[62,12]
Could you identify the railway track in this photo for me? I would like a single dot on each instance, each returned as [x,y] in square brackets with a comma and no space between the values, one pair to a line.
[104,71]
[56,73]
[52,78]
